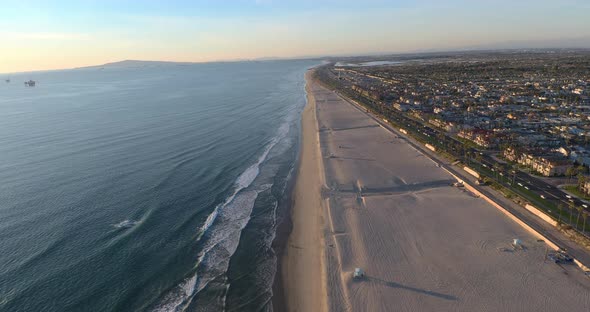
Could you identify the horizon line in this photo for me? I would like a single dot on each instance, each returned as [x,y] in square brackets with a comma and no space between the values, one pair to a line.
[308,57]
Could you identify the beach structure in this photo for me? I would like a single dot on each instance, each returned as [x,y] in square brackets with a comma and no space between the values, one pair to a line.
[358,273]
[517,243]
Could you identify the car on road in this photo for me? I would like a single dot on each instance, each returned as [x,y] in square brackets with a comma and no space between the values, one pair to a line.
[567,196]
[560,257]
[563,256]
[542,196]
[553,258]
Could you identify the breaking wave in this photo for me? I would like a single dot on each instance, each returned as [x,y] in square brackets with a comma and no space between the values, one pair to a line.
[125,224]
[221,231]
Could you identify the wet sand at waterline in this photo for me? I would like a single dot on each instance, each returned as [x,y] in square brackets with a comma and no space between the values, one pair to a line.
[376,203]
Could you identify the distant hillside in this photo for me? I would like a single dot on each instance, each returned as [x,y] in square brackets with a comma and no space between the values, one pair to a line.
[138,63]
[134,63]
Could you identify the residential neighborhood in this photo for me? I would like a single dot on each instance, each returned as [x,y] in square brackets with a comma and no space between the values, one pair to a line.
[521,119]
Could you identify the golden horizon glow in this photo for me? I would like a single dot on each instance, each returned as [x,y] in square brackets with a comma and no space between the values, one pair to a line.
[46,38]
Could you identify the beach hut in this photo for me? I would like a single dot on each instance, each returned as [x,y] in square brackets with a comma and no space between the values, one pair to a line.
[358,273]
[517,244]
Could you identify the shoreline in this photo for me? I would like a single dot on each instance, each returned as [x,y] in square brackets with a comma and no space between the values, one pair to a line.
[282,233]
[300,240]
[284,228]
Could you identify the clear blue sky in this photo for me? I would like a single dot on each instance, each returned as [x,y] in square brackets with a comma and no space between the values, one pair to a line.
[57,34]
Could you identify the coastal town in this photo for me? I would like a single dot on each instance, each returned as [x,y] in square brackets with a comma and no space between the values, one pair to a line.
[521,119]
[419,212]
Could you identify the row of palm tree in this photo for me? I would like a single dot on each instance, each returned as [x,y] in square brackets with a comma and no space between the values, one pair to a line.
[572,211]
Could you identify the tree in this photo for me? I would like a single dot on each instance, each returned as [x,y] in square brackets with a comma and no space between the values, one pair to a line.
[571,208]
[580,210]
[581,180]
[514,171]
[570,172]
[478,159]
[496,167]
[467,155]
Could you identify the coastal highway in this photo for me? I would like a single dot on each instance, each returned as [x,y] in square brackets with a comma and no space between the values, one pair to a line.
[534,222]
[523,180]
[537,186]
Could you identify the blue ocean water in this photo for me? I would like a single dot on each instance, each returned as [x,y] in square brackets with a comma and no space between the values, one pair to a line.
[145,186]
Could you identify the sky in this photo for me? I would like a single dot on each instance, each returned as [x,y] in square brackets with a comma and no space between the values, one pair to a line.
[43,34]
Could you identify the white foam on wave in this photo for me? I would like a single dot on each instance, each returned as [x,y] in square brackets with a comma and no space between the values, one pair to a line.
[224,227]
[125,224]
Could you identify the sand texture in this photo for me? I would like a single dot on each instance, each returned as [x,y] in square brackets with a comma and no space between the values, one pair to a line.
[303,266]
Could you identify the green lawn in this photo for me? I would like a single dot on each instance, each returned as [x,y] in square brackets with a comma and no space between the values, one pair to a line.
[576,191]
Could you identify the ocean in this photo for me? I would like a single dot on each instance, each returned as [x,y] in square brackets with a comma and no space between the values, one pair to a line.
[146,186]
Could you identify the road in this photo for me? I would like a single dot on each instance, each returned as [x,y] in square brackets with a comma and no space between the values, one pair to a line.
[538,186]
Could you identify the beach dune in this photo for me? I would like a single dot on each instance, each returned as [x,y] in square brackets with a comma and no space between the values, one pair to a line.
[366,198]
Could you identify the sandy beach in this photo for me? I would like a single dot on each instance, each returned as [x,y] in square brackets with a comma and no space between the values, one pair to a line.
[366,198]
[303,266]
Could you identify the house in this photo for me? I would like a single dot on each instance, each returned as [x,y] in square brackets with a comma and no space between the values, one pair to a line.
[511,154]
[586,187]
[481,137]
[546,163]
[551,166]
[402,107]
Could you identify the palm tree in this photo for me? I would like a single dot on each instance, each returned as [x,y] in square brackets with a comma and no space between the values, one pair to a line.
[581,180]
[584,216]
[495,170]
[514,171]
[581,169]
[478,159]
[580,210]
[467,155]
[571,207]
